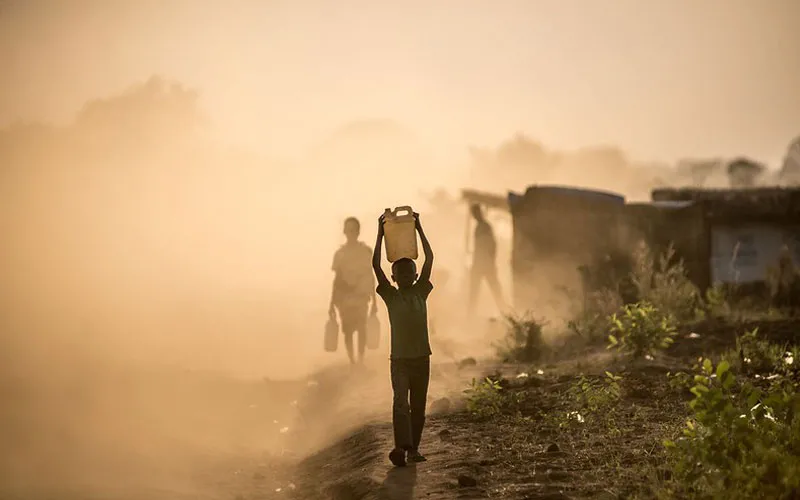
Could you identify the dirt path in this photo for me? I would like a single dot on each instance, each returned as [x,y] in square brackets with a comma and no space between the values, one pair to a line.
[258,437]
[530,455]
[500,458]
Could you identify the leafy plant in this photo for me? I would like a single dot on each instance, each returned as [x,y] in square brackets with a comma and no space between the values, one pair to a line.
[523,341]
[757,356]
[641,330]
[741,442]
[716,302]
[664,283]
[591,322]
[486,398]
[588,400]
[594,395]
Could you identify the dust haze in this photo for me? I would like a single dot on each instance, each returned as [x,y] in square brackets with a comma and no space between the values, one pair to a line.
[174,177]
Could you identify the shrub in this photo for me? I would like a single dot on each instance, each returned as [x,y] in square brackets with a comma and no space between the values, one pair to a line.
[663,282]
[754,355]
[589,400]
[716,302]
[523,341]
[641,330]
[594,395]
[486,398]
[591,323]
[741,442]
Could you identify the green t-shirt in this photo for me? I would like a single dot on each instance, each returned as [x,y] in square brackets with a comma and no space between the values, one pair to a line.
[408,318]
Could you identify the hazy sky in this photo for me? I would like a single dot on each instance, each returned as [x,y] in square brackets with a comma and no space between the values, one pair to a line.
[661,78]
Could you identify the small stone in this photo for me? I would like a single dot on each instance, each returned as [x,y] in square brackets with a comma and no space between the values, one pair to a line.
[553,448]
[446,436]
[466,481]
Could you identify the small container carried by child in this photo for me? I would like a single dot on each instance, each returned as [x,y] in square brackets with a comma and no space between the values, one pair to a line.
[331,334]
[400,234]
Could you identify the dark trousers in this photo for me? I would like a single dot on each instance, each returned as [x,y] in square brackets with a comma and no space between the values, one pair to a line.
[410,378]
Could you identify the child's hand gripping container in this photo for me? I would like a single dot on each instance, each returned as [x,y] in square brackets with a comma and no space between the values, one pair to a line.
[400,233]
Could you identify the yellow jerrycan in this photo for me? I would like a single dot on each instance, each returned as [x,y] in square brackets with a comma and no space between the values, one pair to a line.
[400,233]
[331,334]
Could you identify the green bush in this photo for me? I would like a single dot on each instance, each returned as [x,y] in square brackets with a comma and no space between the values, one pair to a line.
[523,341]
[754,355]
[641,329]
[660,282]
[591,322]
[594,395]
[588,401]
[487,399]
[741,442]
[716,302]
[664,283]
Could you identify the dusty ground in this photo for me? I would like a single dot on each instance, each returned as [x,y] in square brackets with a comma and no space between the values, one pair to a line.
[535,453]
[328,436]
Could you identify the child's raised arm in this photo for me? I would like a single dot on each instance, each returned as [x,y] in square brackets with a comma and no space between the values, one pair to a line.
[376,256]
[427,266]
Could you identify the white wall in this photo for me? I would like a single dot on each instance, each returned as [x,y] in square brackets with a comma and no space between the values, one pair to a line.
[758,248]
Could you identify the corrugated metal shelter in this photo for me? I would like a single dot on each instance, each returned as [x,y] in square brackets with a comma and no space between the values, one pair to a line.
[742,230]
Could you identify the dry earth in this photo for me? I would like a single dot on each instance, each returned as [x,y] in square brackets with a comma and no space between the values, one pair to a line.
[534,453]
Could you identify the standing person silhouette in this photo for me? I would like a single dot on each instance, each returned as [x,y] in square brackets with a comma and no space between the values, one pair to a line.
[353,288]
[484,257]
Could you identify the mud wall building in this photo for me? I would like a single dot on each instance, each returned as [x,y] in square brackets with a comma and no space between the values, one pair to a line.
[556,231]
[739,232]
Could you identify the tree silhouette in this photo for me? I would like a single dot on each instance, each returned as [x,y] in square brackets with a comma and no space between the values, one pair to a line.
[699,171]
[144,116]
[744,172]
[520,150]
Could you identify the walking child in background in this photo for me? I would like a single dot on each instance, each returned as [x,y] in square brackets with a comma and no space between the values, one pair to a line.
[410,346]
[352,291]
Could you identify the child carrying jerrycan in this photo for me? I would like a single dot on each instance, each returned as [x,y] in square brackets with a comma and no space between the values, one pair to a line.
[406,303]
